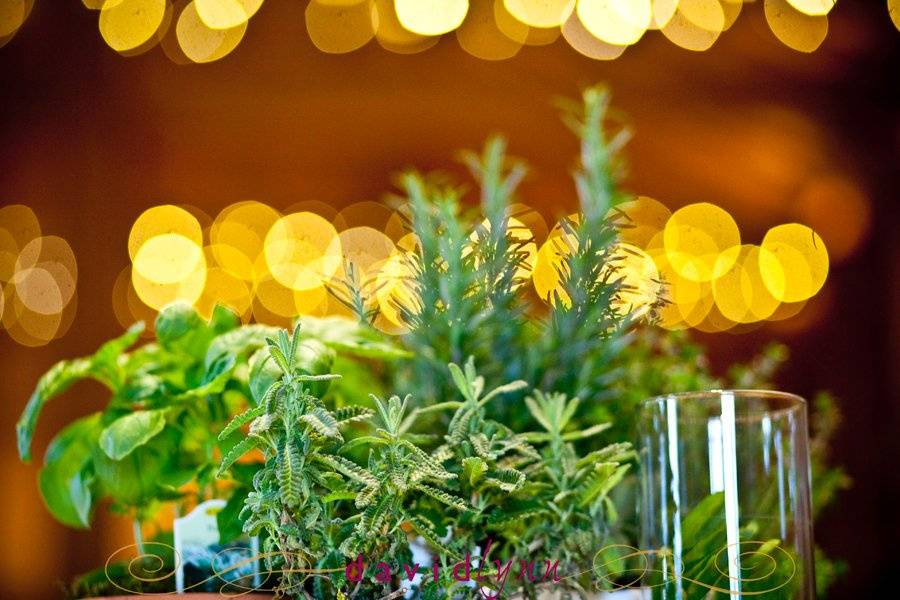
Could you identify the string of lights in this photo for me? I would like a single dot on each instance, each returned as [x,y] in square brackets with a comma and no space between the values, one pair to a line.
[202,31]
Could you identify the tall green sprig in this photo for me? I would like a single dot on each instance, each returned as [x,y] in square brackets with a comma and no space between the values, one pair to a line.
[299,437]
[466,275]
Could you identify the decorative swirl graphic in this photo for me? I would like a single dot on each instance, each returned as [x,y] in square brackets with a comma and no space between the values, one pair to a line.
[147,567]
[765,564]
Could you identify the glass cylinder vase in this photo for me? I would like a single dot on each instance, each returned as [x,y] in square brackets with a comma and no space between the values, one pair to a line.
[726,509]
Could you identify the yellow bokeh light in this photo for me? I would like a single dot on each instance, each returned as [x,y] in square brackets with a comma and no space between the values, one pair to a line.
[29,328]
[715,321]
[337,29]
[237,238]
[38,291]
[202,44]
[166,218]
[20,224]
[706,14]
[740,293]
[684,33]
[127,24]
[619,22]
[693,313]
[732,10]
[662,12]
[813,7]
[367,214]
[481,36]
[157,295]
[365,248]
[520,240]
[583,42]
[129,308]
[511,27]
[797,30]
[540,13]
[223,288]
[431,17]
[802,257]
[9,251]
[225,14]
[302,250]
[392,36]
[640,220]
[550,262]
[168,258]
[638,279]
[47,250]
[12,15]
[894,12]
[285,302]
[394,290]
[542,36]
[695,236]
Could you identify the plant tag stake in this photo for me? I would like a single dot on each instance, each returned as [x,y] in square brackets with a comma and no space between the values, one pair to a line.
[198,549]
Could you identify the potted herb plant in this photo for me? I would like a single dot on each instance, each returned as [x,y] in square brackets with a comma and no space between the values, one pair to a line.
[511,442]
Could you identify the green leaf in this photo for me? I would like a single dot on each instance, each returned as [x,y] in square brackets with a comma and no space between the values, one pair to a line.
[351,337]
[508,480]
[223,319]
[65,479]
[340,495]
[616,453]
[102,366]
[585,433]
[352,414]
[239,342]
[242,419]
[123,435]
[462,384]
[473,469]
[538,414]
[54,382]
[363,440]
[135,480]
[321,421]
[238,450]
[605,477]
[175,321]
[214,381]
[288,472]
[348,468]
[311,357]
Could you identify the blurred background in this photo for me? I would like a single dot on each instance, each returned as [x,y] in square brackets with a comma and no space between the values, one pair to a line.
[89,140]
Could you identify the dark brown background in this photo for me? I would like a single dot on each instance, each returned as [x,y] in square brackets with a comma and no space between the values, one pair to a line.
[89,139]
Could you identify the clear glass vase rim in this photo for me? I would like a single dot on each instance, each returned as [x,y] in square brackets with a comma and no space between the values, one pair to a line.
[792,402]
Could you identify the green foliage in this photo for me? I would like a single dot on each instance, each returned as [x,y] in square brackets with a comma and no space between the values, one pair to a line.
[299,437]
[157,430]
[167,401]
[530,451]
[470,304]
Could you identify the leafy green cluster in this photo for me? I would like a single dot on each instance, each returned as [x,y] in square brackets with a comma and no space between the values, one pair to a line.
[314,506]
[317,508]
[528,454]
[468,284]
[167,399]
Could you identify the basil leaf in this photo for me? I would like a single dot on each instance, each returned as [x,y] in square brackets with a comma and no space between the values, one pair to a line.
[126,433]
